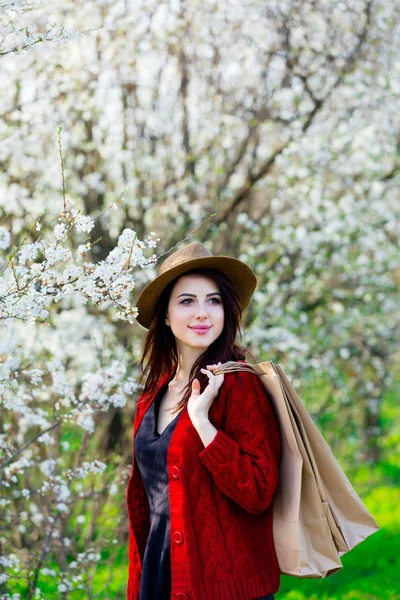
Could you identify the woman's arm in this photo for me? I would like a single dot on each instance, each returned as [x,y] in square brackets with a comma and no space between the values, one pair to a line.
[244,459]
[205,429]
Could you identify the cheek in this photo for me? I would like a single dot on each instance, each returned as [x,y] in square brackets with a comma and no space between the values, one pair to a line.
[219,317]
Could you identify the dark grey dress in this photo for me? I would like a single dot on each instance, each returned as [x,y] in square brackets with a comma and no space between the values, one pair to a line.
[151,456]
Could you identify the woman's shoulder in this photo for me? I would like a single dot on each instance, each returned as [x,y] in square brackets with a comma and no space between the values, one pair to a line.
[246,391]
[243,372]
[243,378]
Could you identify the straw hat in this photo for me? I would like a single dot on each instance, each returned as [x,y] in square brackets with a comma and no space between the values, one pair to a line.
[189,257]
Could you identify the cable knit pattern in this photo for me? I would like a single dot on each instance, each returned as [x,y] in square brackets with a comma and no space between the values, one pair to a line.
[222,545]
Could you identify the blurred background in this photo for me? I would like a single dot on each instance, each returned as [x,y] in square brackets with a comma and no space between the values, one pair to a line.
[274,129]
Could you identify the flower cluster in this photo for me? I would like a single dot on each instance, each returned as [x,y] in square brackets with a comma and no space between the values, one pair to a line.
[48,282]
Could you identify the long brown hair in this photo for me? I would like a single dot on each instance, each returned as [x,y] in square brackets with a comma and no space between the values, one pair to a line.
[160,343]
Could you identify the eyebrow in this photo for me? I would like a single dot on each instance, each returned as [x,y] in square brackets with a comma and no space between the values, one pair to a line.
[194,295]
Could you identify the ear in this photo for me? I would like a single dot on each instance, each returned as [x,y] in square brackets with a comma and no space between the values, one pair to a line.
[167,320]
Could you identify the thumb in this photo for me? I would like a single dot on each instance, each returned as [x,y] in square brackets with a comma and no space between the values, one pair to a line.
[195,386]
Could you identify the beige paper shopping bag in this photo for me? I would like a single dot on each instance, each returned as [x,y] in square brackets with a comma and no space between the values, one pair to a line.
[317,514]
[354,522]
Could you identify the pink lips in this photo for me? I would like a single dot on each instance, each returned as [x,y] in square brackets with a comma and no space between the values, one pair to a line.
[200,329]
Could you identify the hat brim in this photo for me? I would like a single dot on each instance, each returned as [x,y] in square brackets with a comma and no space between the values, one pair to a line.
[238,272]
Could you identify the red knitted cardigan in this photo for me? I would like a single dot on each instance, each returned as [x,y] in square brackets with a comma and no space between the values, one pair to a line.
[221,538]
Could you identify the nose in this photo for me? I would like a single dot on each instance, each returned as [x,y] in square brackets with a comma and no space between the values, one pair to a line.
[201,311]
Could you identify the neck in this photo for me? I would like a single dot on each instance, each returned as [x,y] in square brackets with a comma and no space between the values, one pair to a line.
[184,365]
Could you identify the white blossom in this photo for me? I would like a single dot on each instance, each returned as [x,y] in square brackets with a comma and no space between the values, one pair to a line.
[5,238]
[84,223]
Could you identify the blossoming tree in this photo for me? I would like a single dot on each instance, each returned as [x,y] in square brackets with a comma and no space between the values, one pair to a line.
[281,117]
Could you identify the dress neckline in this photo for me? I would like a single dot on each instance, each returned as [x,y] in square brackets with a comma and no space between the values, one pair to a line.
[156,410]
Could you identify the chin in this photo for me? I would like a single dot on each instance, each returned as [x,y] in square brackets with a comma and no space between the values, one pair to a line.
[201,343]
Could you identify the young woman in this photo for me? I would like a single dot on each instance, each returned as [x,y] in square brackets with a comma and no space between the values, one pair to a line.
[206,447]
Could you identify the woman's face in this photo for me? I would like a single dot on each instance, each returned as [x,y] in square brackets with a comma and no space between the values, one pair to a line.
[195,301]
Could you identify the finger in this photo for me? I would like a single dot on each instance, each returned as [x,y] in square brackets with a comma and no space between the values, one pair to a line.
[207,372]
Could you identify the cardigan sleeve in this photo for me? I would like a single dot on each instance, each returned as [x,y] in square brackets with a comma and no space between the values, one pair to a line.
[244,459]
